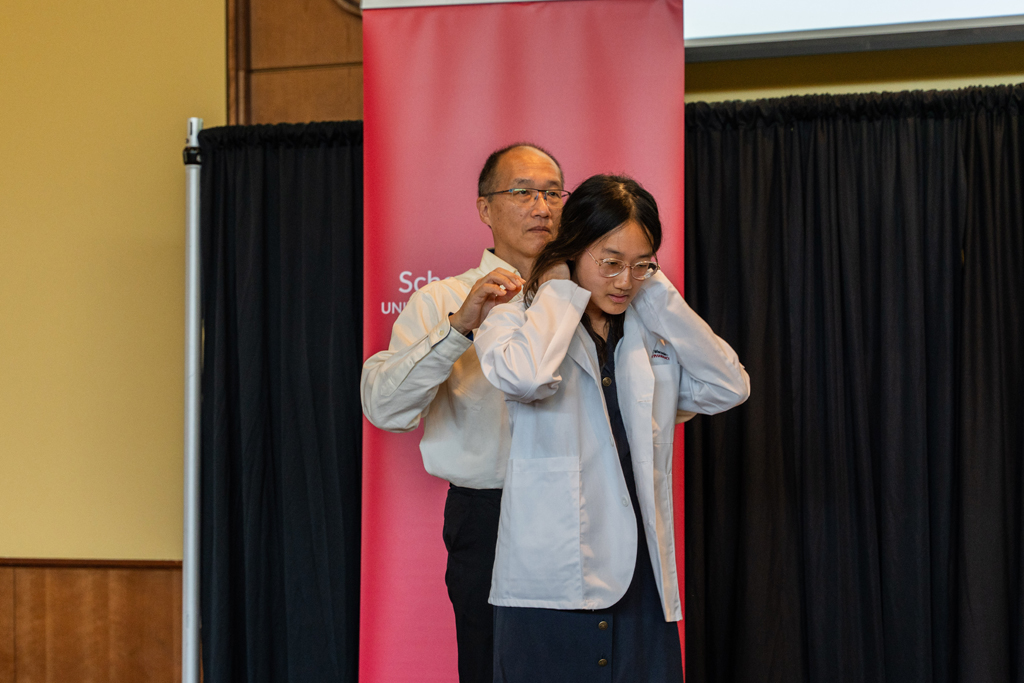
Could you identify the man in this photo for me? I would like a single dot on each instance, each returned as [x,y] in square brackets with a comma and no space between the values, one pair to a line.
[431,371]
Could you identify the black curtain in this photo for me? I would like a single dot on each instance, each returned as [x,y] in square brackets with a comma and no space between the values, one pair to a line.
[859,519]
[281,423]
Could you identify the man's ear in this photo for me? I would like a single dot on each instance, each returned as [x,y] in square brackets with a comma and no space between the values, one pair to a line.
[483,207]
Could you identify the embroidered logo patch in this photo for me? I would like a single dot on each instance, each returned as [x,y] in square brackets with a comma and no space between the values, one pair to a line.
[659,355]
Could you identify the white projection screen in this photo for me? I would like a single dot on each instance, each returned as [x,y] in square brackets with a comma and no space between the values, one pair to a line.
[744,29]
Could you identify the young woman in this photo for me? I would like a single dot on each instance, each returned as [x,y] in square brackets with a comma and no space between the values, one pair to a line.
[598,363]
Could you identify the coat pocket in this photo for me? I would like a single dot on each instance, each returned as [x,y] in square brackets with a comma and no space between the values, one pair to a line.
[539,541]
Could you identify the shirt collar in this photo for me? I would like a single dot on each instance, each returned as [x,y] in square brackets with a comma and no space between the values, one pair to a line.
[489,262]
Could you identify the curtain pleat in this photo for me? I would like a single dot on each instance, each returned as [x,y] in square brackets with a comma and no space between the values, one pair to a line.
[859,518]
[282,318]
[991,419]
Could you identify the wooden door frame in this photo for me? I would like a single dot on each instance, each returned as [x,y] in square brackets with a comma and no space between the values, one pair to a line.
[239,64]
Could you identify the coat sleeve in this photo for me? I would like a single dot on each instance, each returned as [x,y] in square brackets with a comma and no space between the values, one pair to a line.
[398,384]
[521,349]
[712,379]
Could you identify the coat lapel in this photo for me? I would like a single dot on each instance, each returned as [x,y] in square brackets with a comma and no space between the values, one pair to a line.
[583,351]
[636,388]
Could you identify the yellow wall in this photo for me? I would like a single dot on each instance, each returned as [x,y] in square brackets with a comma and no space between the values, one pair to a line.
[94,98]
[921,69]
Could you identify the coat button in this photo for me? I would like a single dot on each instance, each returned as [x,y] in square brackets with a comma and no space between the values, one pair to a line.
[607,381]
[603,625]
[625,501]
[602,662]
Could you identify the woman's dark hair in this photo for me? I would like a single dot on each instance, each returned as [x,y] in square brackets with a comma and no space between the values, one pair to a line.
[600,205]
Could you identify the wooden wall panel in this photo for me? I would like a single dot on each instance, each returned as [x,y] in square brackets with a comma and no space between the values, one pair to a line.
[286,33]
[6,625]
[300,95]
[292,61]
[103,625]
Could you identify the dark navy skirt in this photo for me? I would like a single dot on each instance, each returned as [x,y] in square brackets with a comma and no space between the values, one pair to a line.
[630,642]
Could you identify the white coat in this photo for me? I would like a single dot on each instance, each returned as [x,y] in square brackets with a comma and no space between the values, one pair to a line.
[567,537]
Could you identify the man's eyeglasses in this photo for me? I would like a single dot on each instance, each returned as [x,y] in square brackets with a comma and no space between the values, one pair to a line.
[528,195]
[610,267]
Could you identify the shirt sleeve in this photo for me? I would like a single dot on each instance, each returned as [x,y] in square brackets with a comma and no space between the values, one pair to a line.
[397,385]
[521,349]
[712,378]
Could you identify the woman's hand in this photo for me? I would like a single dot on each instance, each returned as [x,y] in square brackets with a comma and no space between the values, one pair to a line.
[557,271]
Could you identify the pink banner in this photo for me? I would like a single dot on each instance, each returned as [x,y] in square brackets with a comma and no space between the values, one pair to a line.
[597,82]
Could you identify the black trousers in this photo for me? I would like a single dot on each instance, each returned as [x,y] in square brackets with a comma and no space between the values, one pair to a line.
[470,534]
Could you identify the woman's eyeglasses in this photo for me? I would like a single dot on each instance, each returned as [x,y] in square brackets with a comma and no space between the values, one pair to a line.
[610,267]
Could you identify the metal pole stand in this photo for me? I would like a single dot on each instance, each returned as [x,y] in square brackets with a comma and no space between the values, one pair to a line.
[190,553]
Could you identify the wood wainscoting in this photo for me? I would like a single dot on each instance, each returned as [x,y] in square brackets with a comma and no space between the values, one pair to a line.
[87,621]
[293,61]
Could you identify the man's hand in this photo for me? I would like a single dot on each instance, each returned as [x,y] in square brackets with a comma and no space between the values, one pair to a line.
[497,287]
[557,271]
